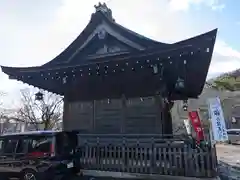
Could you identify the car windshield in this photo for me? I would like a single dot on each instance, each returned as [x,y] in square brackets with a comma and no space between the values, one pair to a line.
[40,144]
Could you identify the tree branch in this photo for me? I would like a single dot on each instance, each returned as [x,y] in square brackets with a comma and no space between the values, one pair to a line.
[46,112]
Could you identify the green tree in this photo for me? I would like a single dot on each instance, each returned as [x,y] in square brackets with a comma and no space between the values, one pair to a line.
[229,81]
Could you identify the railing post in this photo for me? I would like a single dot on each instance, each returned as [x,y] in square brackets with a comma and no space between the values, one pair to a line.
[152,156]
[214,160]
[124,161]
[98,153]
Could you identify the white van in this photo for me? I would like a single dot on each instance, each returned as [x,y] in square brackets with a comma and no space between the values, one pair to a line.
[234,136]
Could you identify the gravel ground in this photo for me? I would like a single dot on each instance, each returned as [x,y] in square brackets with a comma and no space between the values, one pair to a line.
[229,154]
[229,161]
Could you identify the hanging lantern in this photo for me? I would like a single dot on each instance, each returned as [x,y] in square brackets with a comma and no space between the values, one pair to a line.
[39,96]
[185,105]
[64,80]
[155,69]
[179,84]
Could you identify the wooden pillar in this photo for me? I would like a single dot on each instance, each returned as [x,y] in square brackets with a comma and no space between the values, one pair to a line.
[93,116]
[167,127]
[123,115]
[65,124]
[159,121]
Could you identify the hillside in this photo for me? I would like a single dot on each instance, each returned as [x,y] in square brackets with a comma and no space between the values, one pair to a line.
[227,81]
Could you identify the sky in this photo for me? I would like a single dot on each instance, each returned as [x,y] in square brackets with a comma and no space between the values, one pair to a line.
[34,32]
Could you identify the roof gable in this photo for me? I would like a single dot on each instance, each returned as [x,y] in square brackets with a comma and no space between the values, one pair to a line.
[107,41]
[102,25]
[106,54]
[108,46]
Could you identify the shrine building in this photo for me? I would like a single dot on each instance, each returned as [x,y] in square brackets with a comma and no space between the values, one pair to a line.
[116,81]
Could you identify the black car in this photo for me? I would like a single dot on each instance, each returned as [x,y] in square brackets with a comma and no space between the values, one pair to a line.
[38,155]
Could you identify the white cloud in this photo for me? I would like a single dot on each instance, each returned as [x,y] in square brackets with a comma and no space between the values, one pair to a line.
[186,4]
[29,44]
[218,7]
[223,49]
[157,21]
[225,58]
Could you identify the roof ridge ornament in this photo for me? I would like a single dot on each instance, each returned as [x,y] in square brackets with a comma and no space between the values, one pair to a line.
[102,7]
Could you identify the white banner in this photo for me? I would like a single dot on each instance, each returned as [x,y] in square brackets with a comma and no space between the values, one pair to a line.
[218,125]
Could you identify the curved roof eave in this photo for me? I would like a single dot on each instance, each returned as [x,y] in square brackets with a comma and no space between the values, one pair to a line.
[192,41]
[197,38]
[15,70]
[140,36]
[11,70]
[95,20]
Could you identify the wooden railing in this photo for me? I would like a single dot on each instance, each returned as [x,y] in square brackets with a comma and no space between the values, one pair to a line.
[148,154]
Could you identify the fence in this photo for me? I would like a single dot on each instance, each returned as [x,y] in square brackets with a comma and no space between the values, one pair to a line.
[146,154]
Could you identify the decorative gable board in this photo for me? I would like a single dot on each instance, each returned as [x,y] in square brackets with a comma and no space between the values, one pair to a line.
[106,47]
[103,35]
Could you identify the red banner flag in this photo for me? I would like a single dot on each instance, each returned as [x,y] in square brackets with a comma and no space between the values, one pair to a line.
[196,123]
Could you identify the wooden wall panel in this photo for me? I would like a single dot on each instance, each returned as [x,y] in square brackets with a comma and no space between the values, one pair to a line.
[114,116]
[108,115]
[141,116]
[80,116]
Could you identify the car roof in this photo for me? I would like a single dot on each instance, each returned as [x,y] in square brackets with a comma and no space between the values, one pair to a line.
[31,133]
[233,129]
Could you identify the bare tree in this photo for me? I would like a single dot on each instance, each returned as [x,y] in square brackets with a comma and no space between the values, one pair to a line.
[7,123]
[4,122]
[46,112]
[2,94]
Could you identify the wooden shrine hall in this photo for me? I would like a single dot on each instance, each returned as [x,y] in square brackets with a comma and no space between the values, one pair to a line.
[115,81]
